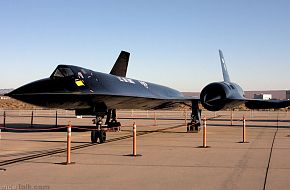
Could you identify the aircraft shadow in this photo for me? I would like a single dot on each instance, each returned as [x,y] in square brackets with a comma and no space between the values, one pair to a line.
[27,128]
[249,125]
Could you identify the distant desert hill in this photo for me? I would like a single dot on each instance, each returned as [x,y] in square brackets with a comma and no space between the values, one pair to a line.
[4,91]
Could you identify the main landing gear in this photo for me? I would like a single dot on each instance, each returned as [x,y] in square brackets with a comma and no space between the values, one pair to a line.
[113,123]
[98,135]
[194,125]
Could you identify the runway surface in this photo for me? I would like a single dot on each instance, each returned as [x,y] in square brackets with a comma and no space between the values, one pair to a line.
[171,158]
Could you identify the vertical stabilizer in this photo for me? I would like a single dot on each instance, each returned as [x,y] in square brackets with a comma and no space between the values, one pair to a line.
[224,67]
[120,67]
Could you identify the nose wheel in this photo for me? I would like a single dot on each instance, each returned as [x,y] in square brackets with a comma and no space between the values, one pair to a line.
[98,135]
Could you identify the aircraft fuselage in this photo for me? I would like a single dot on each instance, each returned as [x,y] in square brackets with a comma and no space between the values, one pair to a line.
[85,89]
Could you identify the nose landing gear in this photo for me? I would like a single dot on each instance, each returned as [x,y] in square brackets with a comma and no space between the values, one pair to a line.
[101,135]
[98,135]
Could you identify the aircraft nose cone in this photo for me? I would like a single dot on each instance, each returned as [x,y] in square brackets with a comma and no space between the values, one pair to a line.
[32,93]
[31,88]
[19,91]
[10,94]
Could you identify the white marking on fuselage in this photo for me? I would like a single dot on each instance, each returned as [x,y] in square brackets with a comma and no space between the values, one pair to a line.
[144,84]
[126,80]
[131,81]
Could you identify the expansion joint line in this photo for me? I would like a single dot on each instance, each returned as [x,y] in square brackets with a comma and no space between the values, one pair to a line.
[270,156]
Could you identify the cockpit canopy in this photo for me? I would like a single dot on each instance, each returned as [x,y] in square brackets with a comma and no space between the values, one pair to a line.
[73,77]
[69,71]
[63,72]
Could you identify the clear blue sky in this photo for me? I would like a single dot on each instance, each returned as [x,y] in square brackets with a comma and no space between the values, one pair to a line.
[172,42]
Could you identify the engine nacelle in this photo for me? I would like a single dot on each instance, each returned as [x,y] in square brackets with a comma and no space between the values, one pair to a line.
[221,95]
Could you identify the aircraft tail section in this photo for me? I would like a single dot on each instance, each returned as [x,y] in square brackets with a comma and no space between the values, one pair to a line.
[121,64]
[224,67]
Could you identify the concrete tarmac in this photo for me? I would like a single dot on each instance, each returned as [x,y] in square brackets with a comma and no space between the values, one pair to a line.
[171,159]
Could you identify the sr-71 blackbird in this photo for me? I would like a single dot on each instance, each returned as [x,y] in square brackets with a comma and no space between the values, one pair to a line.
[99,94]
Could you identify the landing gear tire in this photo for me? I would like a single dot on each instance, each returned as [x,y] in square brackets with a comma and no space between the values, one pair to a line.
[102,136]
[94,136]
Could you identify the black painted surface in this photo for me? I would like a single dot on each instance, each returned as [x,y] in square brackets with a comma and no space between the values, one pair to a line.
[98,90]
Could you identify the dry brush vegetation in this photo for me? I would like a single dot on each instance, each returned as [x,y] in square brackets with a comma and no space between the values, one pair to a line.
[15,104]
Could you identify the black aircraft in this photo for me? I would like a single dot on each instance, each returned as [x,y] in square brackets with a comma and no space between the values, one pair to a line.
[94,93]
